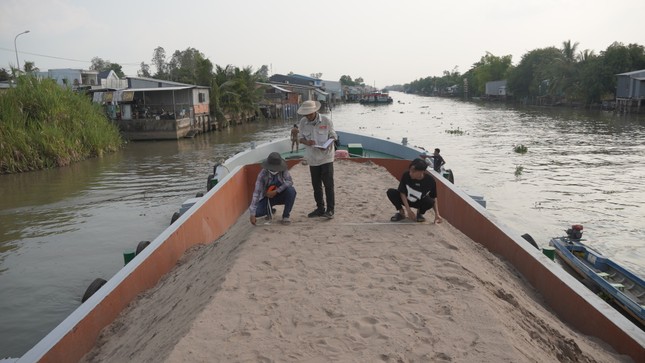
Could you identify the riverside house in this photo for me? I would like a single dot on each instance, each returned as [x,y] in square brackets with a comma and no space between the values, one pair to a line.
[630,90]
[153,109]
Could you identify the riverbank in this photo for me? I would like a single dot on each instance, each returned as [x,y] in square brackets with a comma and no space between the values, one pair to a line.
[43,126]
[355,288]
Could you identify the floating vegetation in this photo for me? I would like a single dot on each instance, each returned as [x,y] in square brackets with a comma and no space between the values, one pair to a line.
[457,131]
[520,149]
[518,170]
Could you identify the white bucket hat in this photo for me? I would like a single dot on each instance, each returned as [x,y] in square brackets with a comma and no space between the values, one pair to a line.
[308,107]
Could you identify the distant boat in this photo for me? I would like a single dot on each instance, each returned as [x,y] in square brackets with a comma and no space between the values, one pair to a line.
[375,98]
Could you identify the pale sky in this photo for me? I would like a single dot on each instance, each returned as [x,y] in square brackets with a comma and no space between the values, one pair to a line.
[384,42]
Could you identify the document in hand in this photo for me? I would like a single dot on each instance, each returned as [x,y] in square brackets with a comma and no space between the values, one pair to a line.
[325,145]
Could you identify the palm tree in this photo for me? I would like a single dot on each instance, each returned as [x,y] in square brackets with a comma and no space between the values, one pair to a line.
[569,51]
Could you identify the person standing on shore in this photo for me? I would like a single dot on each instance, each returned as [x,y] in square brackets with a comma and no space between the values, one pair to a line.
[294,138]
[316,131]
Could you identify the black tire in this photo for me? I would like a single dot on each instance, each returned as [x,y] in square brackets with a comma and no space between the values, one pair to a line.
[175,216]
[451,176]
[530,239]
[141,246]
[199,195]
[208,182]
[94,287]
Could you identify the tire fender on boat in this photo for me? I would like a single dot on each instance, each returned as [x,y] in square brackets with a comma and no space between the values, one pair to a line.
[94,287]
[530,239]
[141,246]
[175,216]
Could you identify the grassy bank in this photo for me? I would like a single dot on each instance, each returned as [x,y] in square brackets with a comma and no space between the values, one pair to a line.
[43,125]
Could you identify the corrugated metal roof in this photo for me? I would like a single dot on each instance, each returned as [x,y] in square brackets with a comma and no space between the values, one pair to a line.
[280,88]
[154,89]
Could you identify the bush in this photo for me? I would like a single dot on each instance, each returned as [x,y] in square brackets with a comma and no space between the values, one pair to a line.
[43,125]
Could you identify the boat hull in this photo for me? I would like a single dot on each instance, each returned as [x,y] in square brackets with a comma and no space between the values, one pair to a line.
[206,221]
[618,284]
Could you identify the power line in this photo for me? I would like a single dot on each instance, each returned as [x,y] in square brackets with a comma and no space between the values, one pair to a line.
[67,59]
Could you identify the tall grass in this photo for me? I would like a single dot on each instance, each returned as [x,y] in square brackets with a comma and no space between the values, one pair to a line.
[43,125]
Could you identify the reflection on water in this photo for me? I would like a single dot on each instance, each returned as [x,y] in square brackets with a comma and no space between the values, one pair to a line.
[581,167]
[60,229]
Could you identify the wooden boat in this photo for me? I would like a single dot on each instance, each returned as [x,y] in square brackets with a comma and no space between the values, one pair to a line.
[232,183]
[375,98]
[615,283]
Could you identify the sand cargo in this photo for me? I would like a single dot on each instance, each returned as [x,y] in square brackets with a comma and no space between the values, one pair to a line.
[207,220]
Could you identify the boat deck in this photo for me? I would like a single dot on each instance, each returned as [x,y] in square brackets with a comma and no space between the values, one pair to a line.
[366,153]
[354,288]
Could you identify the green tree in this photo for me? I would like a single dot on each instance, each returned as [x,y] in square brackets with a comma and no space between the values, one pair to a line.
[144,70]
[489,68]
[565,78]
[190,66]
[591,74]
[30,67]
[347,81]
[263,73]
[159,61]
[235,92]
[4,75]
[533,74]
[100,65]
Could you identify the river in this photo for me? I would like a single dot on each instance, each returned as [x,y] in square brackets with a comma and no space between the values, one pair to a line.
[60,229]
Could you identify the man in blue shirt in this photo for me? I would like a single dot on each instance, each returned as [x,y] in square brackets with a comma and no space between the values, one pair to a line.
[274,186]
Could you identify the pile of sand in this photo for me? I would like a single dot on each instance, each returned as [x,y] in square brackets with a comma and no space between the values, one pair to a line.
[355,288]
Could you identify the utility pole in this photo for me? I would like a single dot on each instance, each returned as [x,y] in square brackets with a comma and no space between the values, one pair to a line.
[16,48]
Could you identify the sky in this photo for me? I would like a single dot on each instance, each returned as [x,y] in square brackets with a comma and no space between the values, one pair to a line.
[383,42]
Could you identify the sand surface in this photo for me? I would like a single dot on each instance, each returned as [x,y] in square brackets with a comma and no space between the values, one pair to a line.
[356,288]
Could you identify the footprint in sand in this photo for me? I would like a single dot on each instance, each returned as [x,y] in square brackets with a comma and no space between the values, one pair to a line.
[366,327]
[448,245]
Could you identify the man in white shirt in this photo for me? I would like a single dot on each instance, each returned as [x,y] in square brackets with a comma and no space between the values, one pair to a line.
[315,131]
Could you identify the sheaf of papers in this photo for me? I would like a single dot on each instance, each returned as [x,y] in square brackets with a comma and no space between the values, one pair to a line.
[325,145]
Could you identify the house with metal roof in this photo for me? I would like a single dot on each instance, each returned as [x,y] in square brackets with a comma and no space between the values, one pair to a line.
[630,90]
[309,88]
[496,89]
[157,109]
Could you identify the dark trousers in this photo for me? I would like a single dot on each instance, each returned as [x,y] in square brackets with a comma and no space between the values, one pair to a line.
[286,197]
[323,175]
[426,203]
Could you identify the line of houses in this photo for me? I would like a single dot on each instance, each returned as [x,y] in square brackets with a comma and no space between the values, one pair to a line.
[630,92]
[153,109]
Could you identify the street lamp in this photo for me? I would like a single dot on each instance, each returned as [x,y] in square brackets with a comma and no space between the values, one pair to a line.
[16,48]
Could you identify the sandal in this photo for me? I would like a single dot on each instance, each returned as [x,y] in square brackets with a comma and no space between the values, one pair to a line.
[397,217]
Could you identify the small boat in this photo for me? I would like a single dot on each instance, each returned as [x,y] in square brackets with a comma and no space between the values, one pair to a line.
[615,283]
[375,98]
